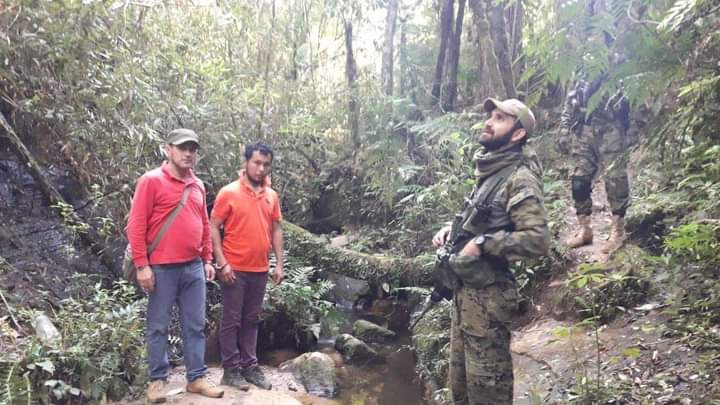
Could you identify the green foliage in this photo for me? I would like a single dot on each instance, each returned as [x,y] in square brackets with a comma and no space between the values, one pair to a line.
[432,193]
[431,339]
[72,222]
[15,387]
[600,291]
[102,354]
[695,241]
[301,298]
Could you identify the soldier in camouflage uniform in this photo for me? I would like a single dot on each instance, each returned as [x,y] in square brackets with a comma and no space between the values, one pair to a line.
[603,137]
[502,221]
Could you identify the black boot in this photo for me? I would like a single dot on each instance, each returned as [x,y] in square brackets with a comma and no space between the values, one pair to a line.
[254,375]
[233,377]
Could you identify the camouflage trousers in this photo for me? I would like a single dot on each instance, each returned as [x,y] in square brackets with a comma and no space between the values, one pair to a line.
[481,370]
[602,145]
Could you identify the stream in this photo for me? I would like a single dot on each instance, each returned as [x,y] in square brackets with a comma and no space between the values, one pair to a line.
[391,382]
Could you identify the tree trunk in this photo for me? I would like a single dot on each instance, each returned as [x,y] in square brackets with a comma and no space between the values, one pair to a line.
[446,16]
[516,19]
[501,46]
[454,58]
[404,69]
[389,47]
[96,245]
[266,75]
[375,269]
[351,75]
[488,75]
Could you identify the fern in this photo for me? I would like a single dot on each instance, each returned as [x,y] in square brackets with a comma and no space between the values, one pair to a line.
[16,388]
[677,14]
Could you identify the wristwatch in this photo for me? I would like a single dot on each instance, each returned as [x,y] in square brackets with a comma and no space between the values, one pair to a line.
[479,240]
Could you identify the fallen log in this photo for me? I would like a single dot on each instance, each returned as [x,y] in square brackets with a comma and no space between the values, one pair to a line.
[376,269]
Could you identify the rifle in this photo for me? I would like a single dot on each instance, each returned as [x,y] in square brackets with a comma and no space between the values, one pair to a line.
[444,280]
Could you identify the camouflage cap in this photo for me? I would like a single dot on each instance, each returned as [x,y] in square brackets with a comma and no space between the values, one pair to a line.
[515,108]
[182,135]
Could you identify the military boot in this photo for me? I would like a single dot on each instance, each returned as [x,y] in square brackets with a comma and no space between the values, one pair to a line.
[584,235]
[617,235]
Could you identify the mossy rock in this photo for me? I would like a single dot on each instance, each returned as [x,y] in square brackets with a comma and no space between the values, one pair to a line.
[355,350]
[370,332]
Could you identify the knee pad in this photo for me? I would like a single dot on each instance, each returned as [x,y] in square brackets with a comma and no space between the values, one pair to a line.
[581,188]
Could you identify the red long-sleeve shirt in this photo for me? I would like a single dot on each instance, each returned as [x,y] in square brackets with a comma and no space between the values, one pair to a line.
[156,195]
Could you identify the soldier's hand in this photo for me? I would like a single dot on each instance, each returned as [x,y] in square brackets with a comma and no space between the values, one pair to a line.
[471,249]
[441,236]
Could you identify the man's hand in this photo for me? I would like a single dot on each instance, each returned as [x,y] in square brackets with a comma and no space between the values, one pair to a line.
[277,276]
[226,274]
[441,237]
[146,279]
[471,249]
[209,272]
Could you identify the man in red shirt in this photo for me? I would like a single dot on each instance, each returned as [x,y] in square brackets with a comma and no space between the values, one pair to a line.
[248,210]
[177,269]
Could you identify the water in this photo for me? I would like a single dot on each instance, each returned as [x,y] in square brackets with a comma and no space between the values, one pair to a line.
[393,382]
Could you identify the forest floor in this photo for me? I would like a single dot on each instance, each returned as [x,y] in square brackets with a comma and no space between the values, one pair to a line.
[557,359]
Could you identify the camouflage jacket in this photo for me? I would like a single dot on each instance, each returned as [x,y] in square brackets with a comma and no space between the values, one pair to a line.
[574,114]
[521,197]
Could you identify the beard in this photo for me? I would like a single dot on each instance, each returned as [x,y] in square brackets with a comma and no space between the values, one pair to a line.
[256,181]
[491,141]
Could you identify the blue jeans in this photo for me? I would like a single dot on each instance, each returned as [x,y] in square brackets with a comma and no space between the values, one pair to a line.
[184,284]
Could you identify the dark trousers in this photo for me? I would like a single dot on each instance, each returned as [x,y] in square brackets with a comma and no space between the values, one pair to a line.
[242,305]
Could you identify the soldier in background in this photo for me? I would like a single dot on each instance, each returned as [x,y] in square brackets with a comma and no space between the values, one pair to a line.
[599,140]
[602,138]
[503,220]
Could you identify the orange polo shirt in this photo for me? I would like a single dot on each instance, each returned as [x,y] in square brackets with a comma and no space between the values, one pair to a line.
[247,217]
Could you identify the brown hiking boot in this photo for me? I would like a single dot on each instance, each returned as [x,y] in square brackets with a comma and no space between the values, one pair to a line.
[584,235]
[156,391]
[203,387]
[617,235]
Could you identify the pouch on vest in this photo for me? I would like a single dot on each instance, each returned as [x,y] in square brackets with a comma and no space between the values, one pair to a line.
[475,272]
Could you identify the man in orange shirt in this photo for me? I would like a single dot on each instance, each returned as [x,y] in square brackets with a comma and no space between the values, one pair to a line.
[176,271]
[248,210]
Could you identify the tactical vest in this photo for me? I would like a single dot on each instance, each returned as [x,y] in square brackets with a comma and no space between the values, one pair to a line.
[482,214]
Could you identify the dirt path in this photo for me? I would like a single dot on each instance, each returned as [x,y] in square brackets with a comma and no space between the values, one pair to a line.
[551,354]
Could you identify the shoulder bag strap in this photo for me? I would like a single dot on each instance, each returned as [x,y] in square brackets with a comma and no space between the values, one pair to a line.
[170,219]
